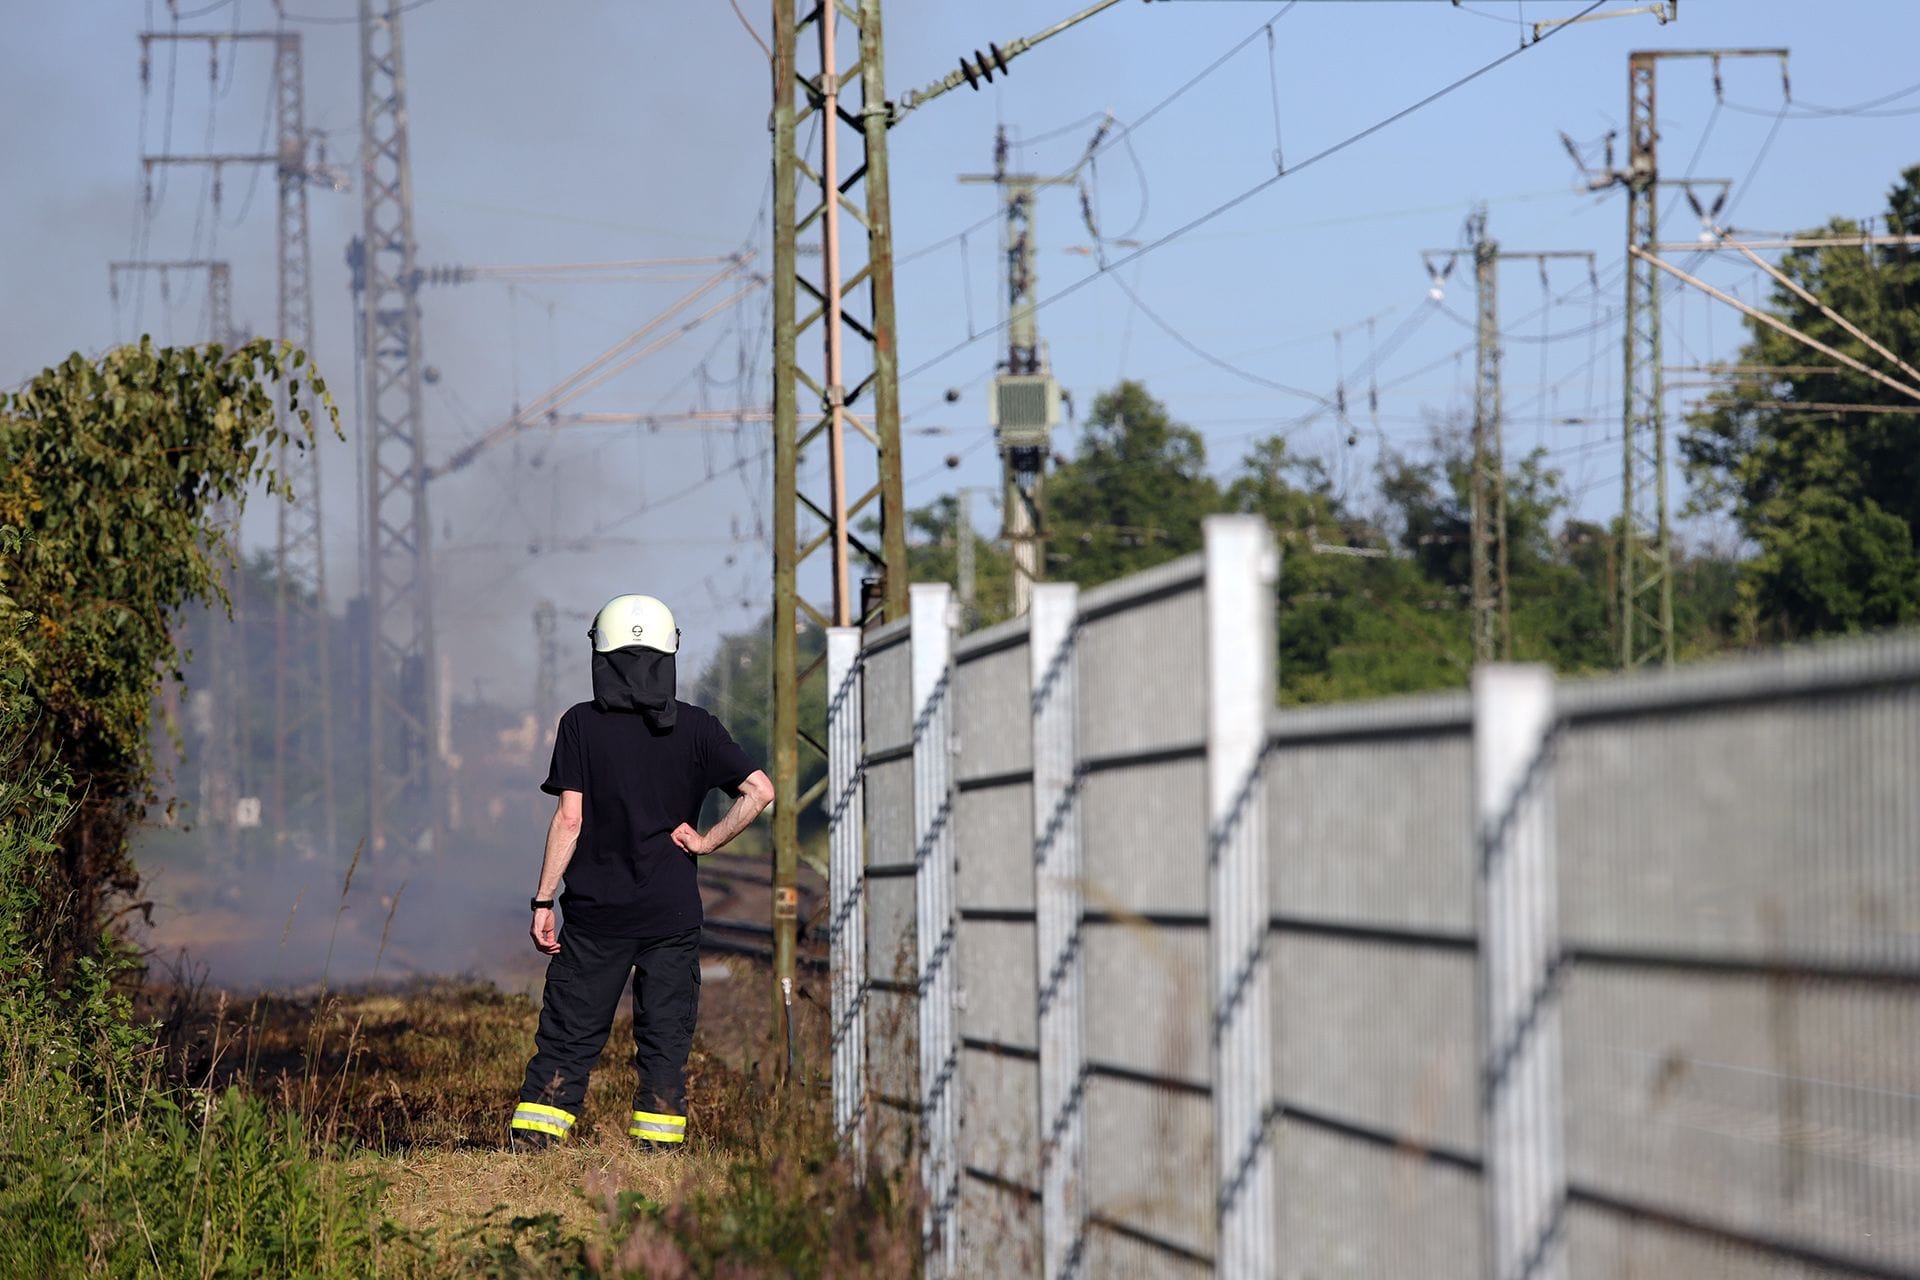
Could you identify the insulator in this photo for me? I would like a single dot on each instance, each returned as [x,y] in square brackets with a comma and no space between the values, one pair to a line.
[213,61]
[166,288]
[1718,94]
[999,58]
[216,188]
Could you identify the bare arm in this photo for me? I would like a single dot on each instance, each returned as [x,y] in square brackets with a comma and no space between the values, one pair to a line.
[563,835]
[755,794]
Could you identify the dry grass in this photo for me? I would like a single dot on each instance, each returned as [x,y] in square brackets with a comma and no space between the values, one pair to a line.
[420,1082]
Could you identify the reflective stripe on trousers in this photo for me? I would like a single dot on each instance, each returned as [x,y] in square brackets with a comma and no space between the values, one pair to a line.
[656,1127]
[542,1119]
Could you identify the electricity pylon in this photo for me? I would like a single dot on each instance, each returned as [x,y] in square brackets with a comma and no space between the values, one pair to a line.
[865,397]
[1487,484]
[223,765]
[1646,545]
[219,273]
[1025,403]
[868,402]
[302,739]
[404,800]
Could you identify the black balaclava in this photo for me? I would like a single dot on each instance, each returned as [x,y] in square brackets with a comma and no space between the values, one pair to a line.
[635,679]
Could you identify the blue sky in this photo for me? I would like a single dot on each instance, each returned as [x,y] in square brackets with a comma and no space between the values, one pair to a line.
[588,131]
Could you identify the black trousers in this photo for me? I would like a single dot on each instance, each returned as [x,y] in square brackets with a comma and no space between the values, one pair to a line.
[584,983]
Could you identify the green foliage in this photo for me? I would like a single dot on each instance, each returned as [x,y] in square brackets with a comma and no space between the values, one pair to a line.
[104,1174]
[114,469]
[203,1186]
[1831,501]
[933,541]
[1132,496]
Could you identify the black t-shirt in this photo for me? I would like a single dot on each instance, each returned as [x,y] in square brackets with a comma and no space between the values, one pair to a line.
[628,878]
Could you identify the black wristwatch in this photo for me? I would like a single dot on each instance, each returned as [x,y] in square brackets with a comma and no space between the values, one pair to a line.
[543,904]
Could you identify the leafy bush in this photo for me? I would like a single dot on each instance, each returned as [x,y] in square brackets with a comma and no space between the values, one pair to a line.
[114,470]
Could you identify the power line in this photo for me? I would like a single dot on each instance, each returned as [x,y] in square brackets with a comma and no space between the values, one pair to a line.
[1212,359]
[324,21]
[1249,193]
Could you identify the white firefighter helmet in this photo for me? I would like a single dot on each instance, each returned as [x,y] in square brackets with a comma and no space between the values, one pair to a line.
[625,621]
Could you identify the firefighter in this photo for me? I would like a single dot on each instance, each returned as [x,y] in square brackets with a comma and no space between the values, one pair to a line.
[630,769]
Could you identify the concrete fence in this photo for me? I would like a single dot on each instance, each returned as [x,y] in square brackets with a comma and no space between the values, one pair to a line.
[1616,978]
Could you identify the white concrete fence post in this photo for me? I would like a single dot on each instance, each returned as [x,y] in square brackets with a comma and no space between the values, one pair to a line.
[846,889]
[930,606]
[1057,898]
[1521,1119]
[1242,566]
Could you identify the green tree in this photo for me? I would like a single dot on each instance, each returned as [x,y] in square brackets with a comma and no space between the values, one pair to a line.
[1831,501]
[933,541]
[1132,496]
[113,470]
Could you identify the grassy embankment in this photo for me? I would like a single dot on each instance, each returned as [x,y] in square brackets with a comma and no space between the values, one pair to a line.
[188,1133]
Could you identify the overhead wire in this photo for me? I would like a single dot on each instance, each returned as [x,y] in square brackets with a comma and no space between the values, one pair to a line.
[1208,356]
[1258,188]
[327,20]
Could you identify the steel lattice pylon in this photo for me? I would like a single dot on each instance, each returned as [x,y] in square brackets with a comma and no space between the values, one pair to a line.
[403,714]
[867,399]
[225,752]
[302,744]
[1492,634]
[1646,549]
[302,654]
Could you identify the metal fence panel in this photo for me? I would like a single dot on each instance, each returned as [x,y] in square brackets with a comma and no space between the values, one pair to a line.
[891,1000]
[1785,1109]
[892,946]
[893,1034]
[1002,1235]
[997,984]
[1149,1150]
[1740,883]
[990,704]
[1369,814]
[888,784]
[889,693]
[993,843]
[1606,1245]
[1147,999]
[999,1139]
[1380,1035]
[1144,836]
[1140,643]
[1352,1206]
[1776,829]
[1110,1252]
